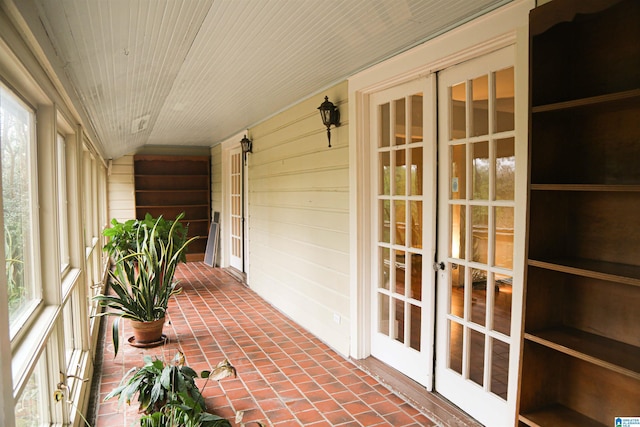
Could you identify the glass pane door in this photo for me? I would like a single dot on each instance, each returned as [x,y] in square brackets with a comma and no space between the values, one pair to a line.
[405,175]
[476,235]
[235,194]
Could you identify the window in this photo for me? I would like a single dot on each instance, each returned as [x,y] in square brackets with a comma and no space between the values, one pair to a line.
[63,221]
[53,202]
[30,409]
[18,194]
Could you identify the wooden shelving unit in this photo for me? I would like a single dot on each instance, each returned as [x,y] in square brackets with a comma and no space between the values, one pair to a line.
[169,185]
[581,352]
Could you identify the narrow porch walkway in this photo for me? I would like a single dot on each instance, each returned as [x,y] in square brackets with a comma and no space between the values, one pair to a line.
[286,376]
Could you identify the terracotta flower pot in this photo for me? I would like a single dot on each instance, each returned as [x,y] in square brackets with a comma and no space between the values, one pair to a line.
[147,334]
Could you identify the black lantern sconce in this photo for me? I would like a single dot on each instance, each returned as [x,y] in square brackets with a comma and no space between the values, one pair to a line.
[247,147]
[330,116]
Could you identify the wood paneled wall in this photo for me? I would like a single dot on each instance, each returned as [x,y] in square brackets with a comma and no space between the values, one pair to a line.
[298,213]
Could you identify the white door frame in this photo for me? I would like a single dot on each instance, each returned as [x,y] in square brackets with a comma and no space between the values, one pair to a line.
[229,145]
[417,364]
[503,27]
[458,387]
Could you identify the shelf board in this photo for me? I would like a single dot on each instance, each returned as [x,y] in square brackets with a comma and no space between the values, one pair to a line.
[557,415]
[585,187]
[173,190]
[604,352]
[170,206]
[628,95]
[609,271]
[168,175]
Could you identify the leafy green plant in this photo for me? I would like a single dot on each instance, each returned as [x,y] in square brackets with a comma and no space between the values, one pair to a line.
[168,395]
[124,236]
[143,280]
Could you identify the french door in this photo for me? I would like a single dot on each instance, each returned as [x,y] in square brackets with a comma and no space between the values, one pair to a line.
[443,283]
[476,206]
[236,200]
[403,165]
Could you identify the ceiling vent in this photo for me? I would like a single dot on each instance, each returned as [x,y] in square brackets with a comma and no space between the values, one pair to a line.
[140,124]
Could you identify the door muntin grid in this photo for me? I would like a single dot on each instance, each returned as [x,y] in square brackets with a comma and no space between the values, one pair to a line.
[481,157]
[400,168]
[236,205]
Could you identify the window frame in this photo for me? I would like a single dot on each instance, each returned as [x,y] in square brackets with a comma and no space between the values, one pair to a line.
[62,204]
[22,322]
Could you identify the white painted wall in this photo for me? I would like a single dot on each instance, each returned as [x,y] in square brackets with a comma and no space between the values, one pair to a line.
[298,217]
[121,189]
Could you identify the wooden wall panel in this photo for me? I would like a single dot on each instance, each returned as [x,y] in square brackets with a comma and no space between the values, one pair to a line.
[121,189]
[298,194]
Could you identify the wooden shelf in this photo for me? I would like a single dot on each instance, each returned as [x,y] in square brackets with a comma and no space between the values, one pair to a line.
[585,187]
[581,352]
[609,354]
[628,97]
[169,175]
[181,205]
[558,416]
[609,271]
[169,185]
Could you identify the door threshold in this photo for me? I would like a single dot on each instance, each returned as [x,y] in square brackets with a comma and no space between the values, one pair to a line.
[237,274]
[432,404]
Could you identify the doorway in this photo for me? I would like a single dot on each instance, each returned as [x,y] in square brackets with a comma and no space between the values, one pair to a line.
[236,209]
[442,284]
[404,165]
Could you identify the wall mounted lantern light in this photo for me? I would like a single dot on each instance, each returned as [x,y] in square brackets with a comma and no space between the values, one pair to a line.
[247,147]
[330,116]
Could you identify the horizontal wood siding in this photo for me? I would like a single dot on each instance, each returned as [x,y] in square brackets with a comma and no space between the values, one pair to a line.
[298,217]
[121,189]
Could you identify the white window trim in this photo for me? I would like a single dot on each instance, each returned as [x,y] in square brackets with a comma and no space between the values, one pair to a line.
[43,339]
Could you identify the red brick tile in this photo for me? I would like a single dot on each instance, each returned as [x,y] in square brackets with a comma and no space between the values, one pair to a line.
[308,417]
[279,415]
[399,418]
[287,377]
[339,417]
[369,418]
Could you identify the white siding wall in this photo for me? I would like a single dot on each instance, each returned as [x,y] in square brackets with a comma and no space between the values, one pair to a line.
[298,217]
[121,190]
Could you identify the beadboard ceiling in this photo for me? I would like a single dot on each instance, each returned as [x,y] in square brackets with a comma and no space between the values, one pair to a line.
[194,72]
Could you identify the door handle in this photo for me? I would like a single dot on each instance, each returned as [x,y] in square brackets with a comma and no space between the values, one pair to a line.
[438,266]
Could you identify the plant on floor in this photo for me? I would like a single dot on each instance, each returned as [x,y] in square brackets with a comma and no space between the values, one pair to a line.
[168,394]
[143,280]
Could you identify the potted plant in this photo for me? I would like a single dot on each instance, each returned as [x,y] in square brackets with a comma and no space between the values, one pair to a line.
[168,394]
[142,282]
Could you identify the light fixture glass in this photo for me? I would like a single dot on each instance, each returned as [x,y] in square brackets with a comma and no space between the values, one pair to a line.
[330,116]
[247,145]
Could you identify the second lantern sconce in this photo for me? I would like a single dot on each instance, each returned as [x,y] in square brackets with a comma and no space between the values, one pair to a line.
[247,147]
[330,116]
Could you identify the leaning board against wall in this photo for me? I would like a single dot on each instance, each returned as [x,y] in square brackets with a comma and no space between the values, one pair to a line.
[169,185]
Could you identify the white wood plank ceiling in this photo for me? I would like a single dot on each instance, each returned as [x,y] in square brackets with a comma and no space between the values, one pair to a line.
[193,72]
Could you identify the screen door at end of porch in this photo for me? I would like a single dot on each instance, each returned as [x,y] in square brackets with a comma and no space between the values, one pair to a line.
[236,213]
[477,166]
[403,140]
